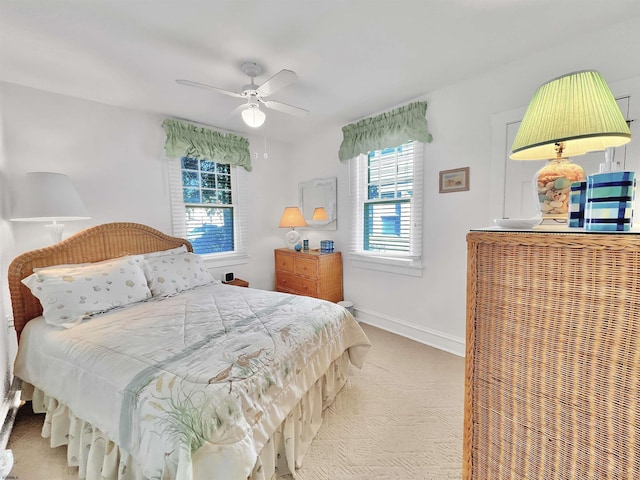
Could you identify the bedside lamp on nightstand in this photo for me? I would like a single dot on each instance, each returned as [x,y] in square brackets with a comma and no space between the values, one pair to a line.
[292,218]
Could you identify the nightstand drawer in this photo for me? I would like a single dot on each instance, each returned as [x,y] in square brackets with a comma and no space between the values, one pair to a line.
[295,284]
[305,266]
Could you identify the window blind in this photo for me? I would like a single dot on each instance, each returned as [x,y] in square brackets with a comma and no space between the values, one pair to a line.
[386,198]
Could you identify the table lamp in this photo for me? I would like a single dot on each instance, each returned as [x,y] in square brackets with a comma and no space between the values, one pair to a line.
[292,218]
[48,197]
[319,214]
[568,116]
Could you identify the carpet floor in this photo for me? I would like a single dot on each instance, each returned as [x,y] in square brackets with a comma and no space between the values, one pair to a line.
[399,417]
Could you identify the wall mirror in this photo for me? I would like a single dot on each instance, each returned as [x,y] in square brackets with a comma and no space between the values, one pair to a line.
[319,193]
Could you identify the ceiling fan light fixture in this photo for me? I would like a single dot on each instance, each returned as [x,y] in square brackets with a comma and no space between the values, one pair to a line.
[253,116]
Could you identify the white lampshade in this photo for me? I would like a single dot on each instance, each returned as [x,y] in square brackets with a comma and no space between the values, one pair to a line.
[48,197]
[253,116]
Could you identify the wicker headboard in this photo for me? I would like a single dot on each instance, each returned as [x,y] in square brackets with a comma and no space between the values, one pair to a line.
[94,244]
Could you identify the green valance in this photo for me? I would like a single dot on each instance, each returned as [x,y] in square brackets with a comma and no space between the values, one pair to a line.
[388,130]
[188,140]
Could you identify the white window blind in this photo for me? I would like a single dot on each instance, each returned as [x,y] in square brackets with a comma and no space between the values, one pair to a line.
[386,199]
[208,206]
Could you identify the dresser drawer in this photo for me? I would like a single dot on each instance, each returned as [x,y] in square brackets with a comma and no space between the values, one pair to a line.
[305,266]
[309,273]
[284,263]
[287,282]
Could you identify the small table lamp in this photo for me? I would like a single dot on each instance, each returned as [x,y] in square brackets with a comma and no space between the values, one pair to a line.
[568,116]
[48,197]
[319,214]
[292,218]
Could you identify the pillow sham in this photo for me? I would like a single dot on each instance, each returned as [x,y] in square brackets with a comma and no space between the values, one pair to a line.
[171,251]
[171,274]
[70,293]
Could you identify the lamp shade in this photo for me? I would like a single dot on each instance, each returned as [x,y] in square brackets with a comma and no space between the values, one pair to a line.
[291,218]
[319,213]
[577,110]
[46,196]
[253,116]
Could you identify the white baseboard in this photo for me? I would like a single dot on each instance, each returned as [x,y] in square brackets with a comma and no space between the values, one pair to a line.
[428,336]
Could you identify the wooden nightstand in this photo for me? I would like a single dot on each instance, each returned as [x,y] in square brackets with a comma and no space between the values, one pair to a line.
[238,282]
[310,273]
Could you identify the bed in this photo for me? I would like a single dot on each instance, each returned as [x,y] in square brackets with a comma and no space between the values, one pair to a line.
[196,381]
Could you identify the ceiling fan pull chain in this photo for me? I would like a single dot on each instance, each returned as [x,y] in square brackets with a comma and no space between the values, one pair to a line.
[265,154]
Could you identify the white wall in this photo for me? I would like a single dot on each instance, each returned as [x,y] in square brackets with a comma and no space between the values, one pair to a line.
[432,308]
[115,157]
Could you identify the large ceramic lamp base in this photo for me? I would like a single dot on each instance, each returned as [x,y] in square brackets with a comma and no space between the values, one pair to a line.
[552,185]
[292,238]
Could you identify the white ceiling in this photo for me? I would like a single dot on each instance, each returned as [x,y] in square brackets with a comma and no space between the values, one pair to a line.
[353,57]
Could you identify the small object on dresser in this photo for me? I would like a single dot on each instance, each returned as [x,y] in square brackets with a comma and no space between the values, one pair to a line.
[305,244]
[577,201]
[298,247]
[609,201]
[228,277]
[326,246]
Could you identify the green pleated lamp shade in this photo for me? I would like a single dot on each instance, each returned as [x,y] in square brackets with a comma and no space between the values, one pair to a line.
[577,109]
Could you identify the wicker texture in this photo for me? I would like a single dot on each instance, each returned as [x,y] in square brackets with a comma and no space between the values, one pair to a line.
[553,356]
[91,245]
[312,274]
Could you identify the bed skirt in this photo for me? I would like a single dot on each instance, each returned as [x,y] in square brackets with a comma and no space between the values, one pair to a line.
[99,458]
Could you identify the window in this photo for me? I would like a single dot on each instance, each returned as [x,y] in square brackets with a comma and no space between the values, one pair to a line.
[206,191]
[206,206]
[387,206]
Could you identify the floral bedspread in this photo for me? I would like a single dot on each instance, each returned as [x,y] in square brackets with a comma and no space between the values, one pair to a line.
[203,377]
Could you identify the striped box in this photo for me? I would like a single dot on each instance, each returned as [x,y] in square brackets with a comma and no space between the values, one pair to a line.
[577,201]
[609,205]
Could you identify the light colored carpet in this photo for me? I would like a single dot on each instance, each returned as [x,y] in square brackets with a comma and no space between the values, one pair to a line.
[400,417]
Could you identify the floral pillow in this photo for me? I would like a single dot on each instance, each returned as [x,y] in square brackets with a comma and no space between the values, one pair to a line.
[171,251]
[70,293]
[171,274]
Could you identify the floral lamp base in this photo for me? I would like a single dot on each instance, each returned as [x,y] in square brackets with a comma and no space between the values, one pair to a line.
[552,187]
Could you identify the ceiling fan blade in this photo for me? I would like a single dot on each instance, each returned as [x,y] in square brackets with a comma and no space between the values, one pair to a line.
[189,83]
[239,108]
[278,81]
[283,107]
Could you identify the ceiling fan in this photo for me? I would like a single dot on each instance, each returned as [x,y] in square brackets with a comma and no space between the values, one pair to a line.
[255,94]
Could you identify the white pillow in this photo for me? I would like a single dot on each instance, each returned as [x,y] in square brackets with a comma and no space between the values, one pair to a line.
[171,251]
[171,274]
[69,293]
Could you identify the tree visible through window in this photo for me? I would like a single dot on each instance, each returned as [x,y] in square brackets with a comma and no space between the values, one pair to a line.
[209,209]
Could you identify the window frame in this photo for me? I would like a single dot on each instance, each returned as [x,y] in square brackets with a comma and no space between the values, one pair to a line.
[239,254]
[409,263]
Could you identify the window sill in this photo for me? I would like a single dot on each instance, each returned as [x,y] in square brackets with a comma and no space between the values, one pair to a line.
[401,266]
[225,260]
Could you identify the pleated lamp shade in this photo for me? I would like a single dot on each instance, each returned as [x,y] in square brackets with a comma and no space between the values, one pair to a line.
[577,110]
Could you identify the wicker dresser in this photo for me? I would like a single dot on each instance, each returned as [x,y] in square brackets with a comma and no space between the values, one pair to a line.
[552,384]
[312,273]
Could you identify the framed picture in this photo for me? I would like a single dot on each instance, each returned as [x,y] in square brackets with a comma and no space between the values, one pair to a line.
[456,180]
